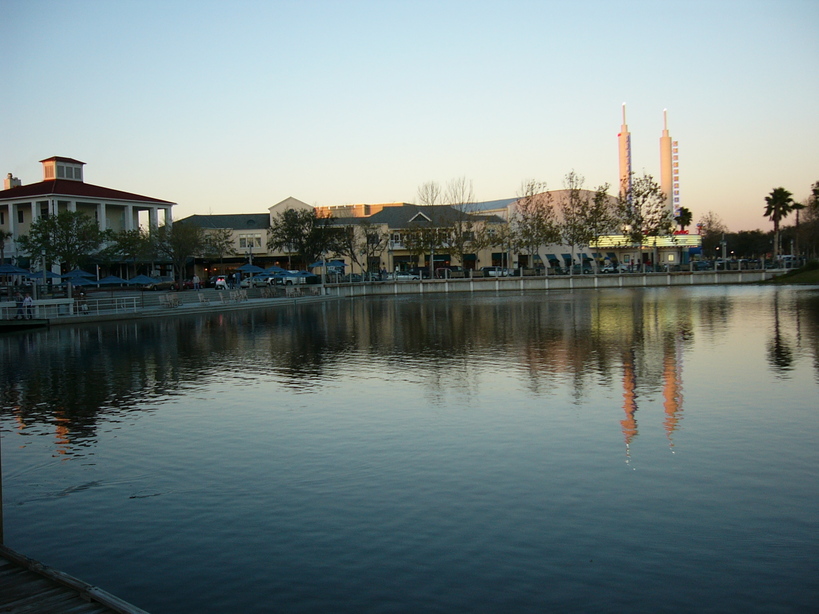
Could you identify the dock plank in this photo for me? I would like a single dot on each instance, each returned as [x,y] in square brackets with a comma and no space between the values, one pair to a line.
[29,587]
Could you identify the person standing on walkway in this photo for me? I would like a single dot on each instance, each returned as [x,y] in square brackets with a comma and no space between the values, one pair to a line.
[28,305]
[18,298]
[195,281]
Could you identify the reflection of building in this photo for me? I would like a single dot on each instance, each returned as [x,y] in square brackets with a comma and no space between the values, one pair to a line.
[63,189]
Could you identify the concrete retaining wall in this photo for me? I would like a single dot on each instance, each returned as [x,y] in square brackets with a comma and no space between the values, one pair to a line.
[554,282]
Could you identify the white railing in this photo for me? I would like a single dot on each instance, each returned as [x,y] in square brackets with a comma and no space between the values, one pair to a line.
[49,309]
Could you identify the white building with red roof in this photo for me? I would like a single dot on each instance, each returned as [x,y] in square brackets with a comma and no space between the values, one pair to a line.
[63,189]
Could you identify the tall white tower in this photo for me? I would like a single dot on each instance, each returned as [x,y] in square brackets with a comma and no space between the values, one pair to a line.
[624,141]
[669,168]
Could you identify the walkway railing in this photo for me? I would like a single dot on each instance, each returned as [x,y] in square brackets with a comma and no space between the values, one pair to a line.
[55,308]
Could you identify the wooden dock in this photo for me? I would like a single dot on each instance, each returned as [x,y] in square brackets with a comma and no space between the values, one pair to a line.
[31,587]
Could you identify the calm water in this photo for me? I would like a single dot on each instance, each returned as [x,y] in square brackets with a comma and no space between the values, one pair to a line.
[645,451]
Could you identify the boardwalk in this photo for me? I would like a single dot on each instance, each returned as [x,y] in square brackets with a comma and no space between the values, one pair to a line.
[31,587]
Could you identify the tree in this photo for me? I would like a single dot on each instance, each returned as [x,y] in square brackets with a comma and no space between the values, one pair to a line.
[779,204]
[68,238]
[426,234]
[178,242]
[712,229]
[129,245]
[534,222]
[363,243]
[684,218]
[574,230]
[219,243]
[4,234]
[460,196]
[599,217]
[644,212]
[302,232]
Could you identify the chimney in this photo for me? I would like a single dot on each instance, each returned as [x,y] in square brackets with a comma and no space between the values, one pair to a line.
[11,182]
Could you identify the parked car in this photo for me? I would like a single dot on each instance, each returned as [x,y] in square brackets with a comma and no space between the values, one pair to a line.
[421,271]
[495,271]
[449,272]
[289,278]
[219,282]
[161,283]
[611,267]
[405,276]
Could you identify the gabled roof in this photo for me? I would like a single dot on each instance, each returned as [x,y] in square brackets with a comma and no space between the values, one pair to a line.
[408,215]
[234,221]
[68,187]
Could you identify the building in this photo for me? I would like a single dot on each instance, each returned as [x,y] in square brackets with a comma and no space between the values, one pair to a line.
[63,188]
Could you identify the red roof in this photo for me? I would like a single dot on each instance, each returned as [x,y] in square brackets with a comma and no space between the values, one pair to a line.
[68,187]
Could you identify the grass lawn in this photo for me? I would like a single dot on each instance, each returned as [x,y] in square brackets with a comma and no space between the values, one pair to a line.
[808,274]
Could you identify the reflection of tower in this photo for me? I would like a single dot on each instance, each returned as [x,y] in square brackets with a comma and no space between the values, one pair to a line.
[624,141]
[672,387]
[629,423]
[669,168]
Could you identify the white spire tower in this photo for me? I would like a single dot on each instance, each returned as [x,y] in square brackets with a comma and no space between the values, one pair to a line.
[624,141]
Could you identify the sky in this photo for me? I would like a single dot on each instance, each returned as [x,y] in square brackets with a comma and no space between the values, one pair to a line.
[231,107]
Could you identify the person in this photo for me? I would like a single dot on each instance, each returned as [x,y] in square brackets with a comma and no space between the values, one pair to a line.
[18,298]
[28,305]
[195,281]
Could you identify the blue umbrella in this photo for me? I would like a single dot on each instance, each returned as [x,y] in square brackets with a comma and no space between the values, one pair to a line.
[48,274]
[10,269]
[274,269]
[142,280]
[111,280]
[77,274]
[250,268]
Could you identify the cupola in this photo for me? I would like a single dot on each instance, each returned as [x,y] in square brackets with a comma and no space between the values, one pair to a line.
[62,168]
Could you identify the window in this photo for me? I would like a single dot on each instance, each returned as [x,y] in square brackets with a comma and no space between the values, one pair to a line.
[61,172]
[20,216]
[248,241]
[2,218]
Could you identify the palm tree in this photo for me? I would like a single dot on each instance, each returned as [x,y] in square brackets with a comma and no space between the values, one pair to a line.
[780,204]
[684,218]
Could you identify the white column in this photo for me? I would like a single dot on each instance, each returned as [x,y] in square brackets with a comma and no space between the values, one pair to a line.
[72,206]
[152,216]
[102,220]
[129,217]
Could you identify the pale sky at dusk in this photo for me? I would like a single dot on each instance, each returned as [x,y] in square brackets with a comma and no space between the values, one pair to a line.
[232,107]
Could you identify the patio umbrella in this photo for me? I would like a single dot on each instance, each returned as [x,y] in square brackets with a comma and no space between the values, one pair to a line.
[48,274]
[77,274]
[10,269]
[274,269]
[250,268]
[112,280]
[142,280]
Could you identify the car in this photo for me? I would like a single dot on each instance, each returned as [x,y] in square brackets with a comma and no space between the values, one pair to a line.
[289,278]
[495,271]
[448,272]
[220,282]
[405,276]
[421,271]
[160,283]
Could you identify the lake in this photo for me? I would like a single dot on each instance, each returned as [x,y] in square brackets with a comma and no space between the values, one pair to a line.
[646,450]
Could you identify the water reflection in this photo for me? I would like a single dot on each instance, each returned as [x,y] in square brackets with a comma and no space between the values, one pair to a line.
[68,380]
